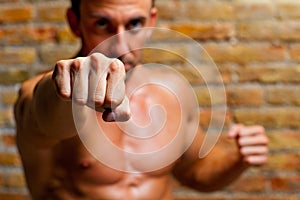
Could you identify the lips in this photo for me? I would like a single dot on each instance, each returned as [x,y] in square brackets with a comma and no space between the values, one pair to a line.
[128,65]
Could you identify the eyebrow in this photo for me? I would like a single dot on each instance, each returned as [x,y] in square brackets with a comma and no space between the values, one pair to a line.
[138,18]
[102,16]
[105,17]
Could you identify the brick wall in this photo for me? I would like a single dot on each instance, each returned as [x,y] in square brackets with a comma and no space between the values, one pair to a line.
[255,44]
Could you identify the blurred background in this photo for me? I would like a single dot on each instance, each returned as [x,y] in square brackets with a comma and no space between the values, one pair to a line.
[255,44]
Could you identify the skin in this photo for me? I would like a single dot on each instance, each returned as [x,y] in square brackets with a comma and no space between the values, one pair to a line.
[56,163]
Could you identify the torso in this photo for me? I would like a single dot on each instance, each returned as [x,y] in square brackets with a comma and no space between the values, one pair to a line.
[69,171]
[78,175]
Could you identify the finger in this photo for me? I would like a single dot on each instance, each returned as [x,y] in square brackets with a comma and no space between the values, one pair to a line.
[253,140]
[80,89]
[256,160]
[254,150]
[62,79]
[97,86]
[121,113]
[115,92]
[252,130]
[234,130]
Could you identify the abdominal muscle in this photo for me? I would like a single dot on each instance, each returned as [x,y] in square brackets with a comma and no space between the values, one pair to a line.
[78,175]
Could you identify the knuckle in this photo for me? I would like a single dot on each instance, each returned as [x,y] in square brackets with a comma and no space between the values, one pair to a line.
[123,115]
[77,64]
[98,100]
[63,92]
[98,63]
[264,140]
[80,100]
[112,102]
[261,129]
[116,66]
[60,64]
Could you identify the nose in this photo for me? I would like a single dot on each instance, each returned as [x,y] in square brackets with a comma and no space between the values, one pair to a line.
[120,43]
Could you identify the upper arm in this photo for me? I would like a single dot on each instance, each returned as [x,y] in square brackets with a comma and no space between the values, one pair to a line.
[28,132]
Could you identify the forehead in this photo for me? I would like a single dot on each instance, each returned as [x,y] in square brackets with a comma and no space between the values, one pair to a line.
[116,5]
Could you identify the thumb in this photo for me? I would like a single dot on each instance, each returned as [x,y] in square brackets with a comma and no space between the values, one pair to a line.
[234,131]
[121,113]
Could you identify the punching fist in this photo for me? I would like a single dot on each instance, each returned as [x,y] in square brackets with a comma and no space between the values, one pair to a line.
[99,83]
[252,142]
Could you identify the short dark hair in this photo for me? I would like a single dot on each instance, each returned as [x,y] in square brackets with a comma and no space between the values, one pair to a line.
[76,6]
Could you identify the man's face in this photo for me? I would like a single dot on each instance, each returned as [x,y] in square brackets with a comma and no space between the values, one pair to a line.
[102,19]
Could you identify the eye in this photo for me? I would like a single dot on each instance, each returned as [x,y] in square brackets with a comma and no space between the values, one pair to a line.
[135,24]
[102,23]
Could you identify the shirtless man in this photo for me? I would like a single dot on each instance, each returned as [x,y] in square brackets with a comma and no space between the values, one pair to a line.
[56,163]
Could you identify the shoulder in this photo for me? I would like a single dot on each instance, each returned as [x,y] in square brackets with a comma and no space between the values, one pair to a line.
[26,92]
[163,77]
[23,110]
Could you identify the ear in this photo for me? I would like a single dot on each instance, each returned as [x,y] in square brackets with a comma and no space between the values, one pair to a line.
[153,16]
[73,22]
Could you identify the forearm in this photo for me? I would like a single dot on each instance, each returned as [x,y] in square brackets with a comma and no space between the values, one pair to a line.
[217,171]
[53,114]
[221,167]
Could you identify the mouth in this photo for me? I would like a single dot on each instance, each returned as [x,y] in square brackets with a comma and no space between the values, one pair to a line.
[127,66]
[128,62]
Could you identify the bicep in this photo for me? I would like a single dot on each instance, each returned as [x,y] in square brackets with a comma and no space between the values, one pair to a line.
[28,134]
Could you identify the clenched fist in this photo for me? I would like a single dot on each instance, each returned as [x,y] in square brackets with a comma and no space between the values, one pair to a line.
[252,142]
[96,81]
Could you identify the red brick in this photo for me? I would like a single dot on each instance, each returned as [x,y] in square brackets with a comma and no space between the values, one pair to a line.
[283,95]
[295,52]
[8,97]
[51,53]
[165,54]
[9,196]
[16,13]
[245,53]
[269,117]
[255,183]
[210,96]
[205,31]
[169,10]
[202,198]
[52,11]
[257,30]
[286,183]
[6,118]
[10,159]
[13,76]
[245,10]
[13,179]
[65,35]
[18,55]
[8,140]
[250,96]
[267,74]
[200,10]
[207,114]
[190,74]
[288,9]
[9,1]
[27,34]
[289,30]
[284,139]
[269,196]
[283,162]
